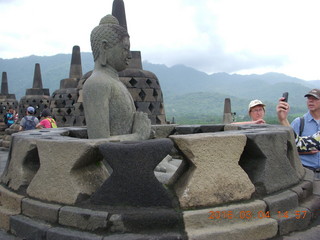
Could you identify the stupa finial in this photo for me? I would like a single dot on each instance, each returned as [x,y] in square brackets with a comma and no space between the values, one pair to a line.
[119,12]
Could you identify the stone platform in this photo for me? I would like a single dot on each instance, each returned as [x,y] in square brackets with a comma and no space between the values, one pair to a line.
[271,211]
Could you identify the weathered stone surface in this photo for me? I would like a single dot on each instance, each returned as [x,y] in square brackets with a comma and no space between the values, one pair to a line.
[282,202]
[266,148]
[138,220]
[44,211]
[5,215]
[69,181]
[10,204]
[235,221]
[296,220]
[23,162]
[27,228]
[214,176]
[163,131]
[169,170]
[103,92]
[132,181]
[69,234]
[84,219]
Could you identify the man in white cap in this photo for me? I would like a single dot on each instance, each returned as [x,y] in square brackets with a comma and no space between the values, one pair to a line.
[306,128]
[29,121]
[256,111]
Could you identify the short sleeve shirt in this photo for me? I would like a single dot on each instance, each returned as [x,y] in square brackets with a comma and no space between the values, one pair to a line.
[311,126]
[45,123]
[23,120]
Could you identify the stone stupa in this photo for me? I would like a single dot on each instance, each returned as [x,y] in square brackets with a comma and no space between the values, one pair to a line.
[37,96]
[64,103]
[143,85]
[6,99]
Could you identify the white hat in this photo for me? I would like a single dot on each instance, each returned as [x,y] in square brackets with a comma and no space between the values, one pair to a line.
[254,103]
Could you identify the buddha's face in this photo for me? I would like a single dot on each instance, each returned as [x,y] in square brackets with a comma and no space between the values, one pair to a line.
[120,55]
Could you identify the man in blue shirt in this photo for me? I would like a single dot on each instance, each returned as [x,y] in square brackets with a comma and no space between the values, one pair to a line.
[311,128]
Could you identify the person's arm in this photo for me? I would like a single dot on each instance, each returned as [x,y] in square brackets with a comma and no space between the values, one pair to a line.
[283,109]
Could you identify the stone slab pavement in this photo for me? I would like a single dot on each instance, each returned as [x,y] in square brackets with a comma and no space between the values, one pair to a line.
[311,233]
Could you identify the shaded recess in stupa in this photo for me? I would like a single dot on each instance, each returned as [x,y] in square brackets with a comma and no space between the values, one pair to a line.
[6,99]
[37,96]
[64,102]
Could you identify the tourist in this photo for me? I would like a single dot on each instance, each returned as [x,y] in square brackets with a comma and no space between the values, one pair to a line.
[29,121]
[108,105]
[46,120]
[9,117]
[256,111]
[306,129]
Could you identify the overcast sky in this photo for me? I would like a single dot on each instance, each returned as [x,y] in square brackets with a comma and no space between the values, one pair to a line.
[233,36]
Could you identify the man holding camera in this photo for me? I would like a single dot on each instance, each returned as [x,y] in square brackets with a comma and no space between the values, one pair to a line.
[306,128]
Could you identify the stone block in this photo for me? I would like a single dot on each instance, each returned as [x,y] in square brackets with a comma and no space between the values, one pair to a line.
[265,149]
[214,176]
[44,211]
[296,220]
[309,175]
[69,181]
[27,228]
[23,162]
[163,130]
[139,220]
[5,215]
[212,128]
[69,234]
[313,204]
[188,129]
[133,182]
[10,200]
[281,202]
[316,187]
[234,221]
[84,219]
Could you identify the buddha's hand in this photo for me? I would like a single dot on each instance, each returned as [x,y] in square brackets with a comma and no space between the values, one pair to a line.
[141,125]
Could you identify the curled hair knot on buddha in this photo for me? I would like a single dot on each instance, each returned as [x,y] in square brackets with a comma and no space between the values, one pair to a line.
[109,30]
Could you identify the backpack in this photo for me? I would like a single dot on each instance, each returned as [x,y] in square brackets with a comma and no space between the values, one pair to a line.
[29,123]
[53,122]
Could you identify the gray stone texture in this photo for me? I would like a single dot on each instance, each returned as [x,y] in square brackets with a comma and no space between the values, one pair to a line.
[266,148]
[296,220]
[236,221]
[69,181]
[282,202]
[214,176]
[58,233]
[10,205]
[43,211]
[132,181]
[37,96]
[84,219]
[23,162]
[28,228]
[146,220]
[106,100]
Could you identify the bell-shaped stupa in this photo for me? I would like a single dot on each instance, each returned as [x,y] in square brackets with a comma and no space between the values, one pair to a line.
[37,96]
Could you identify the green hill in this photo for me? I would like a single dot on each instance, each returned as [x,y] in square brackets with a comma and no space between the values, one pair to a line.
[190,96]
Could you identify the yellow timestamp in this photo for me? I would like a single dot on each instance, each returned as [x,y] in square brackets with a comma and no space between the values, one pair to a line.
[253,215]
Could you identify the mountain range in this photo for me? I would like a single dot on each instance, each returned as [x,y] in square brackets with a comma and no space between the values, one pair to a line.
[190,96]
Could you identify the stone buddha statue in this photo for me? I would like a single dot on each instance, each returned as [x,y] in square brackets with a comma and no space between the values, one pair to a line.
[108,105]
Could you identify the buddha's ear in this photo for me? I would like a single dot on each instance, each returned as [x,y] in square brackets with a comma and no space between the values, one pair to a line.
[103,52]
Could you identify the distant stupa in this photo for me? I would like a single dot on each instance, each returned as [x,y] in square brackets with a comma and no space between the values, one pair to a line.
[6,100]
[37,96]
[143,85]
[64,103]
